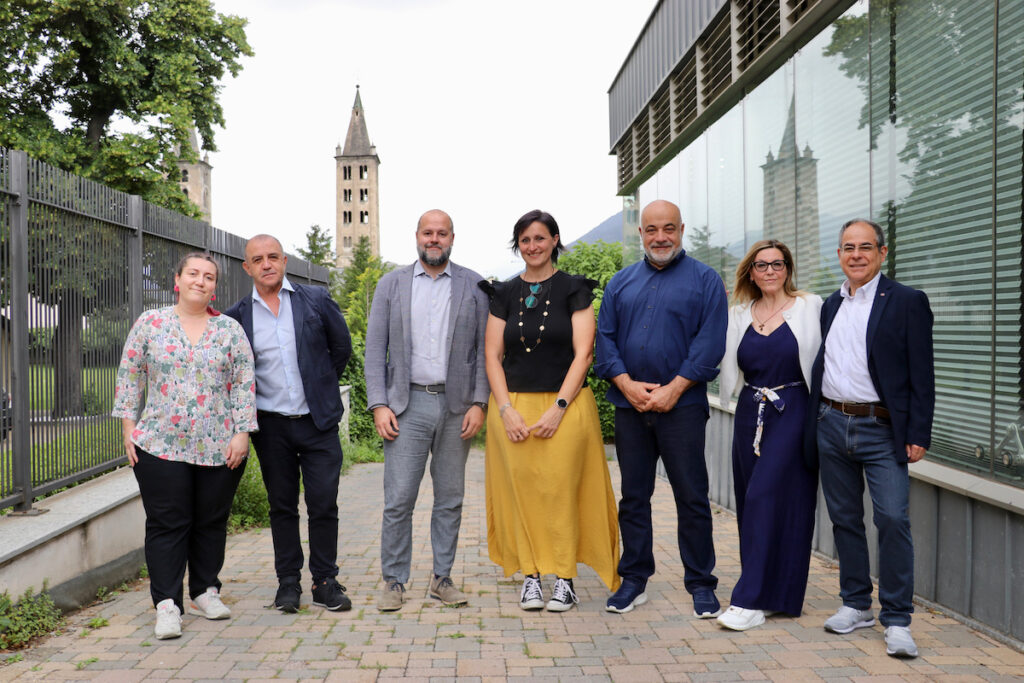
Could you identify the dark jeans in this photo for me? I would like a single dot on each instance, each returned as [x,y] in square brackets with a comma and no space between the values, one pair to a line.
[677,437]
[285,446]
[187,509]
[852,449]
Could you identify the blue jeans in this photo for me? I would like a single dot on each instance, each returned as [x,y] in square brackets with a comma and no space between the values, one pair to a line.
[425,427]
[852,449]
[677,437]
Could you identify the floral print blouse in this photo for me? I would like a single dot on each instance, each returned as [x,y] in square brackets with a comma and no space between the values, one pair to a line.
[198,397]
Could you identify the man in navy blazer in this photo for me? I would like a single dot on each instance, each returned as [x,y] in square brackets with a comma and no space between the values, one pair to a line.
[301,345]
[874,386]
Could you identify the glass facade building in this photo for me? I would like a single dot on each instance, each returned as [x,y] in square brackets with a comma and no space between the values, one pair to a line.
[911,113]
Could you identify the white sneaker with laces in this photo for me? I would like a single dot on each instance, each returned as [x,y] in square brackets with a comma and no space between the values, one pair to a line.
[168,620]
[846,619]
[209,605]
[899,642]
[531,596]
[741,619]
[563,597]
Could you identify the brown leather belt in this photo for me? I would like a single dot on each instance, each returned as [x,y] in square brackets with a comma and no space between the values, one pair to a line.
[858,409]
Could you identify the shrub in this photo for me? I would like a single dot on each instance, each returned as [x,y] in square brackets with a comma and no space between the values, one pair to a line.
[32,616]
[597,261]
[250,508]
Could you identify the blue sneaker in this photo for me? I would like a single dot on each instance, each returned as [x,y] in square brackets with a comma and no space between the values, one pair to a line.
[705,604]
[630,594]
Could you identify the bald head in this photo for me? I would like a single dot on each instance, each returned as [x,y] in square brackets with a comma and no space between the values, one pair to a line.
[433,216]
[263,238]
[661,208]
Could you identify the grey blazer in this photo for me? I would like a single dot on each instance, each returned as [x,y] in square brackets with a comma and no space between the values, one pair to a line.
[389,342]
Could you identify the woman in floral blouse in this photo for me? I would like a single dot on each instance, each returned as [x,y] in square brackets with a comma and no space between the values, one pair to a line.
[188,447]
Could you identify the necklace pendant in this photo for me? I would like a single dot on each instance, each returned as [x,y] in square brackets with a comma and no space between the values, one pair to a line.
[528,349]
[531,301]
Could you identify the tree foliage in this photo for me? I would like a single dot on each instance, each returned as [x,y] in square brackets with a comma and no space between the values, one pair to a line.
[598,261]
[112,89]
[353,291]
[318,247]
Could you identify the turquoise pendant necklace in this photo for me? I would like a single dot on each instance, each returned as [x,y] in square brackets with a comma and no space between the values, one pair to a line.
[530,301]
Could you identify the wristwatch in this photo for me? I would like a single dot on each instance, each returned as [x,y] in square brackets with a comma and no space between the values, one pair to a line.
[482,406]
[561,403]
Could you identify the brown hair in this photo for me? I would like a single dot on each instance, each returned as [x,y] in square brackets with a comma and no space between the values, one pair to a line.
[203,255]
[744,290]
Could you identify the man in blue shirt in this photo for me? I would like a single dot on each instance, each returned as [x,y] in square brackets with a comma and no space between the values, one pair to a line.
[427,387]
[660,338]
[301,345]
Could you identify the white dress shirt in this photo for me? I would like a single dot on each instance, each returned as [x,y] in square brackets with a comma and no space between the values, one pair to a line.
[846,375]
[430,311]
[278,382]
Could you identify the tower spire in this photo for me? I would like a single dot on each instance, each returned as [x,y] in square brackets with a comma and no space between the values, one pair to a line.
[357,141]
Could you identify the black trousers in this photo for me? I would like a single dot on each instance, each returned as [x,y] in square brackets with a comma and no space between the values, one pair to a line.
[187,508]
[287,446]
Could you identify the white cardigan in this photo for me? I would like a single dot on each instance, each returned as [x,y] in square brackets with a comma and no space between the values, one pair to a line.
[804,320]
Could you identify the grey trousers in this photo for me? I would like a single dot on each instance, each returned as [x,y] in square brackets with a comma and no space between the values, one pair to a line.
[425,427]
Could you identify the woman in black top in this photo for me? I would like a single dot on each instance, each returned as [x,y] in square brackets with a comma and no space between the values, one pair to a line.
[549,496]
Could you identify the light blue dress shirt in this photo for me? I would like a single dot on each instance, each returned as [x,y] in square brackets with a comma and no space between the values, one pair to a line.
[278,382]
[430,312]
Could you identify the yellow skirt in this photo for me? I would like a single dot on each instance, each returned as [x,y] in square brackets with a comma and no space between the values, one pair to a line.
[549,501]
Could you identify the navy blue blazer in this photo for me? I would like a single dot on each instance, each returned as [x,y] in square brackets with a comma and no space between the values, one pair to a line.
[323,348]
[900,362]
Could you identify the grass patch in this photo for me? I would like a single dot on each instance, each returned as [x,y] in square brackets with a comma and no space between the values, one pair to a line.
[360,451]
[30,617]
[97,388]
[250,508]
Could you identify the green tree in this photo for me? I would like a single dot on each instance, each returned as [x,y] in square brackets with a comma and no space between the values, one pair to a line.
[348,281]
[318,247]
[598,261]
[353,291]
[112,89]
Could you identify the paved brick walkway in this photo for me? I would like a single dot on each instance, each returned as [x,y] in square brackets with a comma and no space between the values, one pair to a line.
[492,638]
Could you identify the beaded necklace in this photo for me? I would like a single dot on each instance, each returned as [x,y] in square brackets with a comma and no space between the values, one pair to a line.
[530,301]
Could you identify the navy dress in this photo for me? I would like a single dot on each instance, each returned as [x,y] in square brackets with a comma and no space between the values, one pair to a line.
[775,492]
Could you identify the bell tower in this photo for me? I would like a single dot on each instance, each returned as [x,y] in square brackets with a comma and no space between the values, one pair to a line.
[358,204]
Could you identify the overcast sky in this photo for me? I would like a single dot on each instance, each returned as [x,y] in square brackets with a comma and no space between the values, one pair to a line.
[483,109]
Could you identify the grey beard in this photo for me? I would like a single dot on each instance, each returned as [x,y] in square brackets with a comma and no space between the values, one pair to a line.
[439,260]
[658,261]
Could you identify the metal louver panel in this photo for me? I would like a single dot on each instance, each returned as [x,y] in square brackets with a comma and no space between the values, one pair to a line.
[758,27]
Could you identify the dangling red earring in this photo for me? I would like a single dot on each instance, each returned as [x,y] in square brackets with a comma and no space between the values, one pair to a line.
[213,297]
[175,288]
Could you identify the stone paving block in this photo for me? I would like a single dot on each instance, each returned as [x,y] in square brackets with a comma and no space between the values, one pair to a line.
[489,639]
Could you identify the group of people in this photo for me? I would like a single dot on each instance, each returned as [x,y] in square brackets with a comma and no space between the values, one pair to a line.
[844,388]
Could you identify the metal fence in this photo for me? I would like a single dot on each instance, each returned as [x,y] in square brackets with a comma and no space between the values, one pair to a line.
[78,263]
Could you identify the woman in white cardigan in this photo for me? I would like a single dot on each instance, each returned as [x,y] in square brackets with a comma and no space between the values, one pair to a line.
[773,336]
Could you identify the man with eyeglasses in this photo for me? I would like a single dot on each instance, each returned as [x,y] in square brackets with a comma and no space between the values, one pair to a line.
[874,385]
[660,338]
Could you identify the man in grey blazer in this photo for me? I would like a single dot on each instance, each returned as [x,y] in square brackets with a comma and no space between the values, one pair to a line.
[427,387]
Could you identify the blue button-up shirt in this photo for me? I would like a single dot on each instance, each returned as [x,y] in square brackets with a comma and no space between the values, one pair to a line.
[430,311]
[278,383]
[657,324]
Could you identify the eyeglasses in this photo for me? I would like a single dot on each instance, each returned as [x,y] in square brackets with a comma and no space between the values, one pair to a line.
[863,248]
[762,266]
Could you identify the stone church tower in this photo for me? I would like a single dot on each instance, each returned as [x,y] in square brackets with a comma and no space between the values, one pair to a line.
[358,202]
[791,202]
[194,180]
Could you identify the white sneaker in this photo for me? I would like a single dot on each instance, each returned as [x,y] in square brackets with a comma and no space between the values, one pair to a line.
[846,619]
[531,596]
[899,642]
[740,619]
[168,620]
[209,605]
[563,597]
